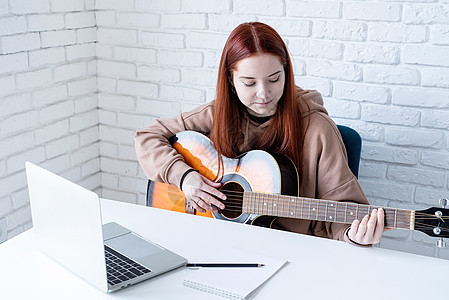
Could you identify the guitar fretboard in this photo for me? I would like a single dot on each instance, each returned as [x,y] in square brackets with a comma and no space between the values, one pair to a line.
[321,210]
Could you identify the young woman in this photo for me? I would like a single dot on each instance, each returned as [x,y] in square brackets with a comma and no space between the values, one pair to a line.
[258,106]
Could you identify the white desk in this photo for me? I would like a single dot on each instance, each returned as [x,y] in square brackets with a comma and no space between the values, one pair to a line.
[317,269]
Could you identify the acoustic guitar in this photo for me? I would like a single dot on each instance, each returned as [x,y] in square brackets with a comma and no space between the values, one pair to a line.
[261,186]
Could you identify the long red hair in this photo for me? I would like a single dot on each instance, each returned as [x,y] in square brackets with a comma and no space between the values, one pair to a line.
[285,133]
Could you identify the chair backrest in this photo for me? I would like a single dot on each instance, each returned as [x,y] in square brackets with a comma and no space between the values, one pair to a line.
[353,145]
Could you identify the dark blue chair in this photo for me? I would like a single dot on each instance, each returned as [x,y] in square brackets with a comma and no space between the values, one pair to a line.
[353,145]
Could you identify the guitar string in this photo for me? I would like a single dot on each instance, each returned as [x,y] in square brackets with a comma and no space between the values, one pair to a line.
[305,199]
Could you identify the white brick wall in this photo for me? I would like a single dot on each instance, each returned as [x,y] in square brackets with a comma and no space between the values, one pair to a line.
[382,67]
[48,101]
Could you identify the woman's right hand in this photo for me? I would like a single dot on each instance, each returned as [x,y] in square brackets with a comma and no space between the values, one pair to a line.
[200,192]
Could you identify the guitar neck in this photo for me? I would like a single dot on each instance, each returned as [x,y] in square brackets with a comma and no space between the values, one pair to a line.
[321,210]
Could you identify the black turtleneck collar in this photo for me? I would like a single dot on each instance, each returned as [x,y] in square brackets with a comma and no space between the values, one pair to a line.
[259,120]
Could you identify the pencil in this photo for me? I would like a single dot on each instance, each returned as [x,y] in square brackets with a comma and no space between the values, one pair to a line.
[223,265]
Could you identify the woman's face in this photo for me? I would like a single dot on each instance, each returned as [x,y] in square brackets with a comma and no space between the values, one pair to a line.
[259,83]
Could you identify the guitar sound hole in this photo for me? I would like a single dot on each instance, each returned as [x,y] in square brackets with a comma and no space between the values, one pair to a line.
[234,200]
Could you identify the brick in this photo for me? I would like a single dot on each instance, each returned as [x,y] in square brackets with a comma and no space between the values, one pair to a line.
[49,95]
[18,43]
[371,11]
[184,21]
[114,134]
[435,119]
[116,69]
[180,58]
[83,121]
[135,54]
[225,22]
[108,117]
[117,36]
[133,19]
[387,190]
[86,103]
[84,154]
[334,70]
[107,85]
[420,175]
[51,132]
[82,87]
[105,18]
[182,93]
[17,162]
[435,77]
[340,30]
[137,88]
[108,150]
[56,112]
[127,152]
[344,109]
[16,143]
[361,93]
[90,167]
[132,184]
[13,25]
[16,219]
[439,35]
[426,55]
[4,7]
[159,108]
[81,51]
[414,138]
[163,40]
[104,51]
[390,75]
[390,115]
[109,180]
[15,104]
[33,79]
[92,67]
[116,102]
[389,154]
[86,35]
[19,122]
[133,121]
[13,62]
[317,49]
[435,159]
[314,9]
[12,183]
[92,182]
[408,247]
[118,166]
[158,74]
[19,7]
[89,136]
[285,27]
[114,4]
[80,19]
[206,40]
[372,169]
[313,83]
[372,54]
[429,196]
[118,195]
[58,38]
[400,33]
[44,22]
[58,164]
[61,146]
[5,206]
[426,14]
[67,6]
[256,7]
[47,56]
[8,85]
[157,5]
[421,97]
[212,6]
[199,77]
[70,71]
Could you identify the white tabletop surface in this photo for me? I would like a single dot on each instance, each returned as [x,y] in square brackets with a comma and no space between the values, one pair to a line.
[317,268]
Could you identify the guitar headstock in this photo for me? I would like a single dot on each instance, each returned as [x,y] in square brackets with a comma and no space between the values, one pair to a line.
[433,222]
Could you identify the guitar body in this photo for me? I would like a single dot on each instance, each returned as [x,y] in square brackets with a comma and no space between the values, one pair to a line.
[255,171]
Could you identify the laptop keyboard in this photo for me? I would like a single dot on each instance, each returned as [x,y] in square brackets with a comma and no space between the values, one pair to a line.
[121,268]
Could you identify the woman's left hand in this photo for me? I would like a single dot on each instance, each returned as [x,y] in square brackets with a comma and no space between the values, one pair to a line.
[369,230]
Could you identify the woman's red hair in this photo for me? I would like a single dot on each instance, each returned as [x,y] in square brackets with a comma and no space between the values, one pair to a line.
[285,133]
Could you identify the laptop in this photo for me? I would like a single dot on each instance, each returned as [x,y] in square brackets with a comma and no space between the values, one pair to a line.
[68,228]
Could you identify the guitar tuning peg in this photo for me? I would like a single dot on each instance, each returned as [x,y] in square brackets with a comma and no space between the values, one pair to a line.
[444,202]
[441,243]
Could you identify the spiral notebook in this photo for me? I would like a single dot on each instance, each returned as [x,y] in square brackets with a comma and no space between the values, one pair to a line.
[233,283]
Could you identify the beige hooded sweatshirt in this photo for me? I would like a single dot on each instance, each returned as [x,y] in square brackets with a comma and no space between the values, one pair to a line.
[325,173]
